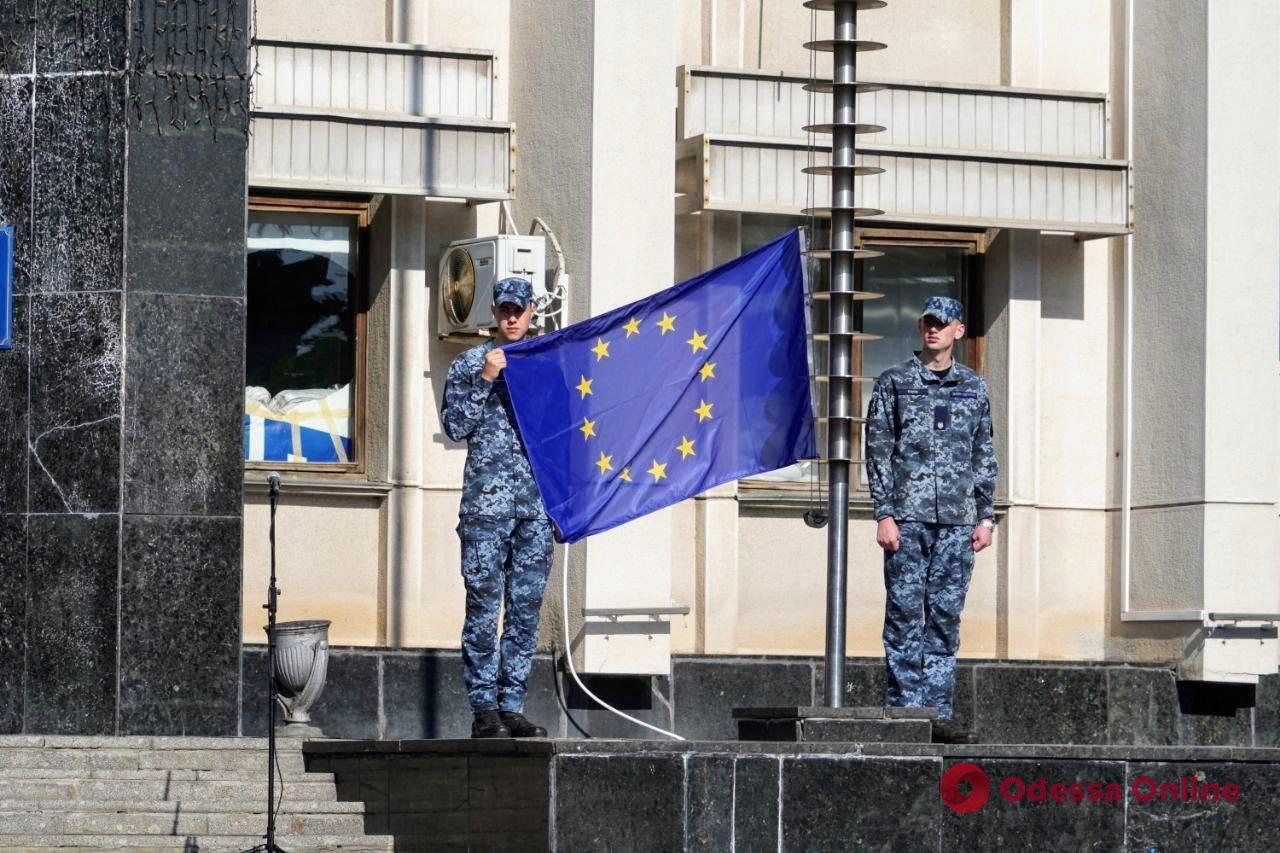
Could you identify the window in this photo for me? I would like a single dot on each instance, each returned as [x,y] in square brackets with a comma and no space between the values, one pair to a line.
[915,265]
[304,362]
[907,275]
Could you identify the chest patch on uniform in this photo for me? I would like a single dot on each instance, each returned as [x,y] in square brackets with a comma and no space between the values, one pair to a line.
[964,395]
[911,392]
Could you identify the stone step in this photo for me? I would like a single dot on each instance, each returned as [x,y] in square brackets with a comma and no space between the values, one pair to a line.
[127,775]
[201,843]
[290,806]
[76,758]
[145,742]
[114,790]
[171,821]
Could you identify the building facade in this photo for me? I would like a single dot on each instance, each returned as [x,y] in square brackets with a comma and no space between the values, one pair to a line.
[1139,483]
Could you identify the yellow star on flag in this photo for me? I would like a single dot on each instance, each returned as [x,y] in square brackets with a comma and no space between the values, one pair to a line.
[625,476]
[707,371]
[685,447]
[588,429]
[658,470]
[632,326]
[601,349]
[604,463]
[667,323]
[697,341]
[584,387]
[703,411]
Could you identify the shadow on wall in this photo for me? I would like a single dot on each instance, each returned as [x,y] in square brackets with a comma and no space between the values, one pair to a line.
[1061,277]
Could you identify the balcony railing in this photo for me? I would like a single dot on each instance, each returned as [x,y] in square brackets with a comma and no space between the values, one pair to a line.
[953,155]
[378,117]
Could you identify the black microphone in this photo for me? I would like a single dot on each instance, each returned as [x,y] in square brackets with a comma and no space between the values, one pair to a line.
[273,484]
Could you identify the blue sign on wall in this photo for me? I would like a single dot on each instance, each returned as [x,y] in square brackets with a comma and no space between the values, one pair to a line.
[6,287]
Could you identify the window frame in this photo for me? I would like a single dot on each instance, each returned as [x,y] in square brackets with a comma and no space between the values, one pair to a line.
[975,245]
[356,469]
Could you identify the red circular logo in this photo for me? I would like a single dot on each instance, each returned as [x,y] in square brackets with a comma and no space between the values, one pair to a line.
[975,778]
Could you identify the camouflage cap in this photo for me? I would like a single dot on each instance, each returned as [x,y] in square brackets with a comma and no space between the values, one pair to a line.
[944,308]
[517,291]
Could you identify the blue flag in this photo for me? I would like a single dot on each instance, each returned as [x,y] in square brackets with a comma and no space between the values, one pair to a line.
[660,400]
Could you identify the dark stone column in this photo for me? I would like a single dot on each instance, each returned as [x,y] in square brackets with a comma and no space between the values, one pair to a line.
[125,129]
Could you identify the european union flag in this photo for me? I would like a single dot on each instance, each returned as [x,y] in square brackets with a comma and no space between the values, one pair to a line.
[659,400]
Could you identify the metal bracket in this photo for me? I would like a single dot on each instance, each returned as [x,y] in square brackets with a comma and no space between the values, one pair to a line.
[613,613]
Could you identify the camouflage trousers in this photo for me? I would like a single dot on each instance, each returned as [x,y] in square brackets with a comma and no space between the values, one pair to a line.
[504,567]
[925,582]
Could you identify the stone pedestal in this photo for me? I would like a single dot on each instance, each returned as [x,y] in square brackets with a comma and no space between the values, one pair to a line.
[844,725]
[124,127]
[658,795]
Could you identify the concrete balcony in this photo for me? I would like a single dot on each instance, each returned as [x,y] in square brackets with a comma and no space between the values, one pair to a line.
[378,117]
[966,156]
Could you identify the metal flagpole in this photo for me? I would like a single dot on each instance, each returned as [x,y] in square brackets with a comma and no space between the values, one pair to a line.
[841,253]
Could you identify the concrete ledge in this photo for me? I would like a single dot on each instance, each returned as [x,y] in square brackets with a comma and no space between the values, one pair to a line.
[599,747]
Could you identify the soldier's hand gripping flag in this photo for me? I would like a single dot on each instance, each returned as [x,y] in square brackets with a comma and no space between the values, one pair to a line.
[659,400]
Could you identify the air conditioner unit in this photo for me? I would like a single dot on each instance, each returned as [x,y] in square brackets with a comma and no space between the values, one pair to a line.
[469,269]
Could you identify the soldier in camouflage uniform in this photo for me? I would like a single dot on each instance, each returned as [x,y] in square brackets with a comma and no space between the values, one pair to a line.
[506,536]
[932,469]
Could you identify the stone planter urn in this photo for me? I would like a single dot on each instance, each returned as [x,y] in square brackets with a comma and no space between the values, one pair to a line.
[302,661]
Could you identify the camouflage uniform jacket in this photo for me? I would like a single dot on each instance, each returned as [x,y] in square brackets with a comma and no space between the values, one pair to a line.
[497,481]
[928,446]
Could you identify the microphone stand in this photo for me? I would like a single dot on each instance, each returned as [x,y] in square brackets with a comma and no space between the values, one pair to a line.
[273,594]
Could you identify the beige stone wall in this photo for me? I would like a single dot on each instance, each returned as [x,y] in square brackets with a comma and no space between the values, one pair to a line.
[952,40]
[327,566]
[754,576]
[782,589]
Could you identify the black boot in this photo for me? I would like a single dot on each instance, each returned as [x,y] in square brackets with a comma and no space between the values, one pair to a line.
[949,731]
[519,726]
[489,724]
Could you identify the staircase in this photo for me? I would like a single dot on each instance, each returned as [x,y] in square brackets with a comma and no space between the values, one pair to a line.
[167,793]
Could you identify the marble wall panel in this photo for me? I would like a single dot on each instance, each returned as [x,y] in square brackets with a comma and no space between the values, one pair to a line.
[709,802]
[13,620]
[1267,713]
[755,802]
[75,402]
[209,37]
[186,206]
[1142,707]
[1040,704]
[1025,824]
[71,624]
[1172,823]
[636,803]
[78,161]
[424,697]
[184,402]
[860,804]
[18,37]
[15,173]
[348,707]
[180,626]
[14,383]
[74,35]
[706,693]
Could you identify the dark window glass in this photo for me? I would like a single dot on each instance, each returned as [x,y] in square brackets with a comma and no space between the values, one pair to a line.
[300,366]
[907,276]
